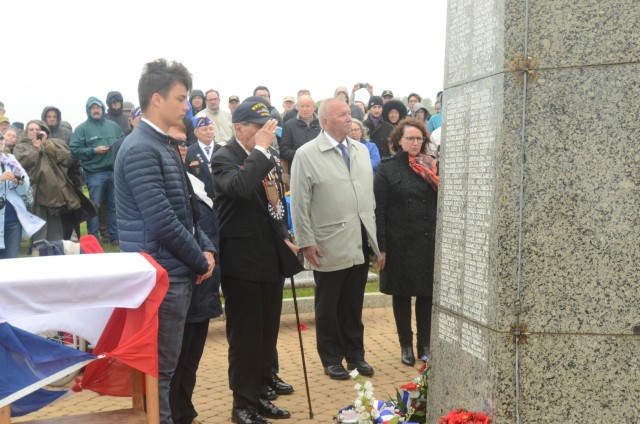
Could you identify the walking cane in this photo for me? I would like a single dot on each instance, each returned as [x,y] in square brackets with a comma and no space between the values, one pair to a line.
[304,364]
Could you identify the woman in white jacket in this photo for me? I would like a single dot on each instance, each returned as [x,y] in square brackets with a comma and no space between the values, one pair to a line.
[14,216]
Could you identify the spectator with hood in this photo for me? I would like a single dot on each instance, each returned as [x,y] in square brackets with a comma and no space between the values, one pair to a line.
[60,129]
[421,112]
[197,101]
[114,113]
[343,93]
[393,112]
[91,143]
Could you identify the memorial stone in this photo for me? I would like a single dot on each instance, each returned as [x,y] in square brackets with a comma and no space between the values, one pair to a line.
[536,295]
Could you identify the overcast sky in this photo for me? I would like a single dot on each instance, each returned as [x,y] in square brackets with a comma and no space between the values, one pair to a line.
[60,53]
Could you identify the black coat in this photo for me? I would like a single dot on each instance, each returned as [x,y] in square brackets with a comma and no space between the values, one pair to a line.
[205,297]
[295,133]
[379,134]
[247,233]
[406,228]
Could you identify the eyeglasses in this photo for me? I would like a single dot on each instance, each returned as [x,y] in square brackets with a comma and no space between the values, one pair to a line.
[414,139]
[356,130]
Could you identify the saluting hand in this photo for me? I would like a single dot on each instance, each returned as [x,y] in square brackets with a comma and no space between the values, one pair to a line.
[264,136]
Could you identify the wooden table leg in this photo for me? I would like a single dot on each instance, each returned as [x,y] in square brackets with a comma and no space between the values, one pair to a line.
[5,414]
[137,390]
[153,400]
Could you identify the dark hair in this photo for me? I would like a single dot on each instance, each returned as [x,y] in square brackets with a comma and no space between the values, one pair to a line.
[261,87]
[160,77]
[397,105]
[398,132]
[414,95]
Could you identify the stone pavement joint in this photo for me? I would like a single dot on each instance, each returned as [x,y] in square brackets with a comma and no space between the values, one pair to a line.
[213,398]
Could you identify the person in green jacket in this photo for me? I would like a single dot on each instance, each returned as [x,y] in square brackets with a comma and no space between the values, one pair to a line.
[91,143]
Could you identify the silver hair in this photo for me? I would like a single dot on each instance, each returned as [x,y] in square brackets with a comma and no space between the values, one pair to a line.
[363,129]
[322,110]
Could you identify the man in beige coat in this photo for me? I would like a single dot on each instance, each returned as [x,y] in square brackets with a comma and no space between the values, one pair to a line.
[333,215]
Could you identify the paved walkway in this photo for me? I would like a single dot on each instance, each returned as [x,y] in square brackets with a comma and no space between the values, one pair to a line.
[213,398]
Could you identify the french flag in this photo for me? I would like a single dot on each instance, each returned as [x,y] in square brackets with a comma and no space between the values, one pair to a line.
[111,300]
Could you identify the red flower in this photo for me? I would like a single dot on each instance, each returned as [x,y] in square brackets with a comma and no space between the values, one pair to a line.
[303,326]
[410,387]
[462,416]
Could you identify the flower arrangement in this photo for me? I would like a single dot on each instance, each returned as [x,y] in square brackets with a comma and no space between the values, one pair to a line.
[462,416]
[409,406]
[412,400]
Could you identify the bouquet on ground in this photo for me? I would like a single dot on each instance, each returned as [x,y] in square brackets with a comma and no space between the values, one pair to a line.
[462,416]
[368,410]
[411,401]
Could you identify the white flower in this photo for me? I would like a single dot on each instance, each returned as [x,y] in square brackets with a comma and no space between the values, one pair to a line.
[365,415]
[375,413]
[354,374]
[363,408]
[357,403]
[357,387]
[369,394]
[368,385]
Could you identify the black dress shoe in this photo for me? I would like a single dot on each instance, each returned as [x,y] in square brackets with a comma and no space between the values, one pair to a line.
[362,367]
[268,393]
[336,372]
[424,353]
[407,356]
[247,415]
[279,386]
[268,409]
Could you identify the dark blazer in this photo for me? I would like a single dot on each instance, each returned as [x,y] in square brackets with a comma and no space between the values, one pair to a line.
[247,231]
[201,171]
[406,228]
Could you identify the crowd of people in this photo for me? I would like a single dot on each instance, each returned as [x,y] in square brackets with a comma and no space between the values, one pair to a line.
[203,190]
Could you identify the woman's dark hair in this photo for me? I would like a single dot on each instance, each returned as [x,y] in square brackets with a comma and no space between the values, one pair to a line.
[397,105]
[160,77]
[398,132]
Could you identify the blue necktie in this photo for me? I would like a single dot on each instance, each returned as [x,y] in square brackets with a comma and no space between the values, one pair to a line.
[345,154]
[207,149]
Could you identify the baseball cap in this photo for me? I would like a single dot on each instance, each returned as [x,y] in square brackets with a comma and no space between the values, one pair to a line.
[135,112]
[256,112]
[127,106]
[4,119]
[234,98]
[375,100]
[289,99]
[202,121]
[387,93]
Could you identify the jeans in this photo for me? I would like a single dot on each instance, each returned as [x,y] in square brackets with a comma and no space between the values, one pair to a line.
[171,318]
[101,184]
[12,237]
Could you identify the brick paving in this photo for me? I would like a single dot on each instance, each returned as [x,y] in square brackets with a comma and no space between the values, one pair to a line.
[213,398]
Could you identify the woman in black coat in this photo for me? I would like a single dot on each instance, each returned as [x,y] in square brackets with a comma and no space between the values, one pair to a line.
[406,190]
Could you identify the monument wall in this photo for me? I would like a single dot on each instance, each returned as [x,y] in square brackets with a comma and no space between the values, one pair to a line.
[539,213]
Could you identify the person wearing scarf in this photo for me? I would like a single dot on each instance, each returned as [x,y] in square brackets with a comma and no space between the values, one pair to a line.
[406,192]
[14,216]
